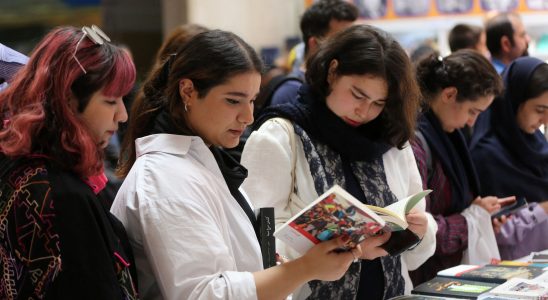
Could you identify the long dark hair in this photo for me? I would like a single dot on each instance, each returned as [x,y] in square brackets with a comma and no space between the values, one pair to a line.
[208,59]
[361,50]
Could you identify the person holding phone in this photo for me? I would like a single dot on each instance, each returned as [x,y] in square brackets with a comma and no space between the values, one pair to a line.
[456,89]
[511,155]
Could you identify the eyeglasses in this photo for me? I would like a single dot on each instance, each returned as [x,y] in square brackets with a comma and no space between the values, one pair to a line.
[96,35]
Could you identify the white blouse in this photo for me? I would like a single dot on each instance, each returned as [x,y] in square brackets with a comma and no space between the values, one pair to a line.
[267,156]
[190,237]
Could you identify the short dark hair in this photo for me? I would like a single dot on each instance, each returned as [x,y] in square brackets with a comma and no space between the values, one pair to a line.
[496,28]
[464,36]
[315,20]
[208,59]
[466,70]
[366,50]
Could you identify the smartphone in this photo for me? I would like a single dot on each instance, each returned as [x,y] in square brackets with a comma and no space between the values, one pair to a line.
[520,203]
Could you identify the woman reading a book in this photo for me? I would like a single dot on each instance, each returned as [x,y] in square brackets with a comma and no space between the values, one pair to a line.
[58,240]
[193,231]
[455,89]
[511,155]
[350,127]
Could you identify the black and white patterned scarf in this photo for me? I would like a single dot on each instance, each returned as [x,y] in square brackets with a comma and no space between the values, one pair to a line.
[326,169]
[326,140]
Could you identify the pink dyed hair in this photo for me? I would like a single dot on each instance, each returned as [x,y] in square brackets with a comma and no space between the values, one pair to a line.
[37,107]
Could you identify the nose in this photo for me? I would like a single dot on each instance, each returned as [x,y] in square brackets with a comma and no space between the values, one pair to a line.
[362,110]
[121,113]
[544,119]
[471,121]
[246,114]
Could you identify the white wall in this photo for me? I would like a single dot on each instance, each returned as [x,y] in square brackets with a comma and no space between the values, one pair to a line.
[261,23]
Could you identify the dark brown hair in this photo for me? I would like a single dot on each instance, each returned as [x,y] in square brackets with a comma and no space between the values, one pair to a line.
[208,59]
[467,70]
[366,50]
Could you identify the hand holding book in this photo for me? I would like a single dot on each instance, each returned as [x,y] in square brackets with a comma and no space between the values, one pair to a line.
[337,213]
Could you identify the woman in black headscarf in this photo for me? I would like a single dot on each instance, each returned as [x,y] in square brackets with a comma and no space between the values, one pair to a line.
[511,155]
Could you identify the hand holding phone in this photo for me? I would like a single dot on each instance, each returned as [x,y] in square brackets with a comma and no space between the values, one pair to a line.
[508,209]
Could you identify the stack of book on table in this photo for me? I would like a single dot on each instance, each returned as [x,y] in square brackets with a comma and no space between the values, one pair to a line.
[508,280]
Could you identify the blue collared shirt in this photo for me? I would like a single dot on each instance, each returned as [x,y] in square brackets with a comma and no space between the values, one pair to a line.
[499,65]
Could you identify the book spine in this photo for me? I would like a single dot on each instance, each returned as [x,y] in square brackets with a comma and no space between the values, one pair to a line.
[477,278]
[266,236]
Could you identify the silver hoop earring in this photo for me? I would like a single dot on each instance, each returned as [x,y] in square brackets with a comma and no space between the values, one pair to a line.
[186,108]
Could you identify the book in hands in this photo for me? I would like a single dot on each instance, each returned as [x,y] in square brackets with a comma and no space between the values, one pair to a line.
[337,213]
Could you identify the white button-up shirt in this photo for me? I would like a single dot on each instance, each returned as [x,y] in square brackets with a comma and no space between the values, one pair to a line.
[190,237]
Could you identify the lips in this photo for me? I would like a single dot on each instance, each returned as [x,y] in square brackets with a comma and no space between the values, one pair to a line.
[236,131]
[351,122]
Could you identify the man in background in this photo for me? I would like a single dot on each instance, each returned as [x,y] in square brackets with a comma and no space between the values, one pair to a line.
[319,22]
[506,39]
[468,36]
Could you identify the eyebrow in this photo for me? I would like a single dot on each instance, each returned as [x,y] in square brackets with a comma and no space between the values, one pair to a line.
[237,94]
[543,106]
[360,91]
[477,109]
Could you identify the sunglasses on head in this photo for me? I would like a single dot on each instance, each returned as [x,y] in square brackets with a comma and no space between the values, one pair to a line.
[96,35]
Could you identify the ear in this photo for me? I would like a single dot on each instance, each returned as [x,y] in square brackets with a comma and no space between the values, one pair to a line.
[449,94]
[332,71]
[505,44]
[312,44]
[187,91]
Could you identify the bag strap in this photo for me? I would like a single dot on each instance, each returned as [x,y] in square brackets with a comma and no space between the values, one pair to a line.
[427,153]
[288,126]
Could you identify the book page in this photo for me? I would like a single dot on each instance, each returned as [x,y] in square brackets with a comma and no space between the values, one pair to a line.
[394,214]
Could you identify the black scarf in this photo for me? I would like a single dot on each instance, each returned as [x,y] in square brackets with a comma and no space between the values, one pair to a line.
[363,143]
[509,160]
[451,149]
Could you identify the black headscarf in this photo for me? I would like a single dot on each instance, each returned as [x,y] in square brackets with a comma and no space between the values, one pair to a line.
[451,149]
[509,160]
[362,143]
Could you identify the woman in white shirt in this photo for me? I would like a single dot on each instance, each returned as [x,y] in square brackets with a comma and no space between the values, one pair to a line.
[352,123]
[191,228]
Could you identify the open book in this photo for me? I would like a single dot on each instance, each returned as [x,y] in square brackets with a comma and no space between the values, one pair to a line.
[337,213]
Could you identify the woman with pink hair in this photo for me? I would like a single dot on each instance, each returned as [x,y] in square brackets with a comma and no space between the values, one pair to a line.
[57,239]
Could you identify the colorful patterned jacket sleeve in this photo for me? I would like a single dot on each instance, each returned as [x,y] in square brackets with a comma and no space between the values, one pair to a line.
[29,245]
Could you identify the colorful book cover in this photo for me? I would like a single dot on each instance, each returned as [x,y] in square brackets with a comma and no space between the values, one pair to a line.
[518,288]
[492,273]
[453,287]
[335,213]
